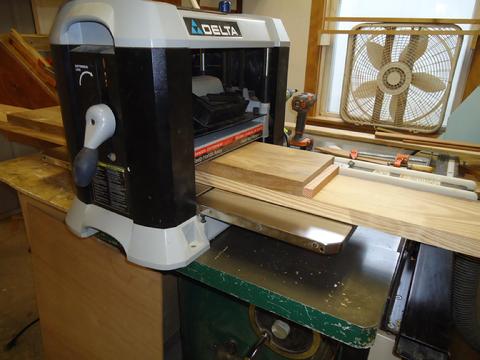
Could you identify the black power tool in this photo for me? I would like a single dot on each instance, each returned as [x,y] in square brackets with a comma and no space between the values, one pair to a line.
[302,103]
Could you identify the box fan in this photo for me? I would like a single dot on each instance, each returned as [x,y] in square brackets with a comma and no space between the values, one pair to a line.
[399,81]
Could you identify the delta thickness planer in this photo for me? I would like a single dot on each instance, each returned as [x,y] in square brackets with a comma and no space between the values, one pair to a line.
[143,103]
[147,92]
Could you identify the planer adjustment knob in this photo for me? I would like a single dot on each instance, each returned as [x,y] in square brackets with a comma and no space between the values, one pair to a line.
[99,127]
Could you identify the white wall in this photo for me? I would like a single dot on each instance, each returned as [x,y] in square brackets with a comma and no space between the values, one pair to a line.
[296,18]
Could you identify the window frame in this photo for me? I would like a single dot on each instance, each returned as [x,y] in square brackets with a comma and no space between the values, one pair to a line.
[319,58]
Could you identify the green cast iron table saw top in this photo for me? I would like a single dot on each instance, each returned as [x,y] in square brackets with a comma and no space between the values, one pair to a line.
[342,296]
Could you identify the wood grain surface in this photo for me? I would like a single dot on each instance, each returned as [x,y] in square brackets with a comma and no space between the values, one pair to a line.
[314,51]
[270,166]
[428,141]
[433,219]
[92,303]
[370,139]
[37,63]
[318,183]
[7,109]
[19,85]
[8,128]
[46,120]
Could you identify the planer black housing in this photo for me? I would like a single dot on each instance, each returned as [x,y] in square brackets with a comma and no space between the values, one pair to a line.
[142,70]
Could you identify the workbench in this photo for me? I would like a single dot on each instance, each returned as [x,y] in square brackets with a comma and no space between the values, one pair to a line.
[342,296]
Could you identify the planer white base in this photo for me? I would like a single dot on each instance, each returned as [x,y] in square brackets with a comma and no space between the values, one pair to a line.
[160,249]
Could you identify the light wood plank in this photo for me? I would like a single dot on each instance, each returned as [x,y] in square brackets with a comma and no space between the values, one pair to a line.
[46,120]
[370,138]
[8,128]
[449,223]
[317,184]
[427,140]
[38,42]
[8,109]
[270,166]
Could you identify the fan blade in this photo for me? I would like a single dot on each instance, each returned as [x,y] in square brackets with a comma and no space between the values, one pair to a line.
[375,54]
[398,104]
[366,90]
[415,49]
[427,82]
[393,106]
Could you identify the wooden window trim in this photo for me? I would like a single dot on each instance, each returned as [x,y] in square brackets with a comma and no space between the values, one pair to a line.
[318,19]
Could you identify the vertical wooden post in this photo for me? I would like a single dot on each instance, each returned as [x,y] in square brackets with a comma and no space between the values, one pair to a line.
[317,19]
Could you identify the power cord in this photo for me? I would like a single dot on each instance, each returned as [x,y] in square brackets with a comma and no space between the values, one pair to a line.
[11,344]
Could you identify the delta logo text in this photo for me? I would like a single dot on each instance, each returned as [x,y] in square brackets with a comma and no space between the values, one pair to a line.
[204,27]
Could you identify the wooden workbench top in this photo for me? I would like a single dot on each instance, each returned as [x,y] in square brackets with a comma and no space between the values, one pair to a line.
[47,183]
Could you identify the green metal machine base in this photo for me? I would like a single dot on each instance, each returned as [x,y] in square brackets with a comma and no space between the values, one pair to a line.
[217,326]
[341,296]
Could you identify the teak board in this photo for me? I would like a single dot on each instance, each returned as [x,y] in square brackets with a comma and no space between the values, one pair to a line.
[269,166]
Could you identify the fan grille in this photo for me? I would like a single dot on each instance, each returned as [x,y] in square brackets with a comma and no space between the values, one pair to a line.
[386,92]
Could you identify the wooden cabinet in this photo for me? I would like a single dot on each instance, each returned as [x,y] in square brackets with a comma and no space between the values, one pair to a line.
[92,303]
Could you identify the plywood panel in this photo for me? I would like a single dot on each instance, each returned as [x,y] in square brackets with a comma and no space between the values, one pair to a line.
[274,167]
[92,303]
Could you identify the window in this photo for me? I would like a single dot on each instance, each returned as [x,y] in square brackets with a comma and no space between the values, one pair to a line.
[332,59]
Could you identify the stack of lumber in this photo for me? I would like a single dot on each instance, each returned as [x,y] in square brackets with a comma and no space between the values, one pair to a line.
[372,139]
[26,78]
[428,141]
[434,219]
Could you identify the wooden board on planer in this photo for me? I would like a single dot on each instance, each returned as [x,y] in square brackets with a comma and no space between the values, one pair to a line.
[269,166]
[438,220]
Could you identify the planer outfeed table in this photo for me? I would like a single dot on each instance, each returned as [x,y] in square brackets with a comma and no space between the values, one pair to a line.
[342,296]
